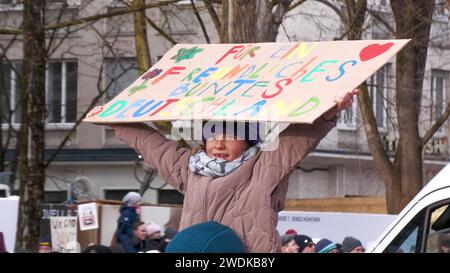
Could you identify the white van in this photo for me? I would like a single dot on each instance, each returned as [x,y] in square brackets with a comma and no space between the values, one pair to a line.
[423,226]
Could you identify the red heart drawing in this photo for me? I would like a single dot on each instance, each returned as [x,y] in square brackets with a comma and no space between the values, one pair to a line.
[373,50]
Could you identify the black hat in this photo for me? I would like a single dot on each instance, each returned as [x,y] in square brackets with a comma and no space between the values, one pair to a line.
[303,241]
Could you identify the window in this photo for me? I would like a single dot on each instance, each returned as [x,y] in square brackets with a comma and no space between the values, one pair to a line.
[347,118]
[170,197]
[117,194]
[10,86]
[120,73]
[55,197]
[382,3]
[3,193]
[61,92]
[380,6]
[410,238]
[441,8]
[9,2]
[378,85]
[438,239]
[438,96]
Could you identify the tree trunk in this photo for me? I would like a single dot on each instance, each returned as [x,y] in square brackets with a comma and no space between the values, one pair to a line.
[224,32]
[356,11]
[403,177]
[140,36]
[32,173]
[257,21]
[245,16]
[413,20]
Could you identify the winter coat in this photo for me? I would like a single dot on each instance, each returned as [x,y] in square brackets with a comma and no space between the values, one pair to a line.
[135,245]
[248,199]
[125,222]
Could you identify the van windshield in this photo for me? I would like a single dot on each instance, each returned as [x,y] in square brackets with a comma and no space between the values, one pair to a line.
[410,238]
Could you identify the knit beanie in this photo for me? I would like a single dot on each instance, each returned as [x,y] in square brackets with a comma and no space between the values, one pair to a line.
[350,243]
[152,228]
[303,241]
[46,241]
[291,231]
[207,237]
[240,130]
[325,246]
[287,238]
[131,198]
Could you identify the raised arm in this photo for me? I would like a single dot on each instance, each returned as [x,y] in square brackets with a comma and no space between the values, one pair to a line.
[294,143]
[298,140]
[164,155]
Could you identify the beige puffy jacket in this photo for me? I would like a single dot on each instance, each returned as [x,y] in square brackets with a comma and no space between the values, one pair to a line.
[247,200]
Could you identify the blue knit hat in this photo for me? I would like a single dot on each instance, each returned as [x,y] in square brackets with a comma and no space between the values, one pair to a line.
[207,237]
[325,246]
[241,130]
[45,240]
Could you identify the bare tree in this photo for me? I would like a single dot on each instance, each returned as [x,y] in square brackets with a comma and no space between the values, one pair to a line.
[403,177]
[41,39]
[250,21]
[31,170]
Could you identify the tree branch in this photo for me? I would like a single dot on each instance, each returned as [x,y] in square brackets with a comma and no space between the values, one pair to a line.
[160,31]
[9,31]
[205,33]
[95,17]
[214,17]
[294,5]
[101,92]
[437,124]
[382,21]
[380,156]
[339,12]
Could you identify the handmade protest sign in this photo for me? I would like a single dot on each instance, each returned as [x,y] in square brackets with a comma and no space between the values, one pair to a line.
[282,82]
[64,234]
[88,218]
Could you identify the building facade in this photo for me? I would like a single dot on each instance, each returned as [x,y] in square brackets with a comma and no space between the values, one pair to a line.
[98,60]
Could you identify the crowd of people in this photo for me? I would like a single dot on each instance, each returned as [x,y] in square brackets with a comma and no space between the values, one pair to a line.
[135,236]
[300,243]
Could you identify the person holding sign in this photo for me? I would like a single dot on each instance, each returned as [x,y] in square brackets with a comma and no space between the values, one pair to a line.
[247,188]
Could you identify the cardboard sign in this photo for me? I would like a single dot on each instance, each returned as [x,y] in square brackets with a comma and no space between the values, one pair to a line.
[281,82]
[88,216]
[64,234]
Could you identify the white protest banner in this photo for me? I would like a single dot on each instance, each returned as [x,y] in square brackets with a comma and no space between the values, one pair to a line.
[88,216]
[64,234]
[281,82]
[335,226]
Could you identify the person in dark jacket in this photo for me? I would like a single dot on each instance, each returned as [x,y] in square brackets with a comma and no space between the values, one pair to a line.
[138,242]
[98,248]
[129,214]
